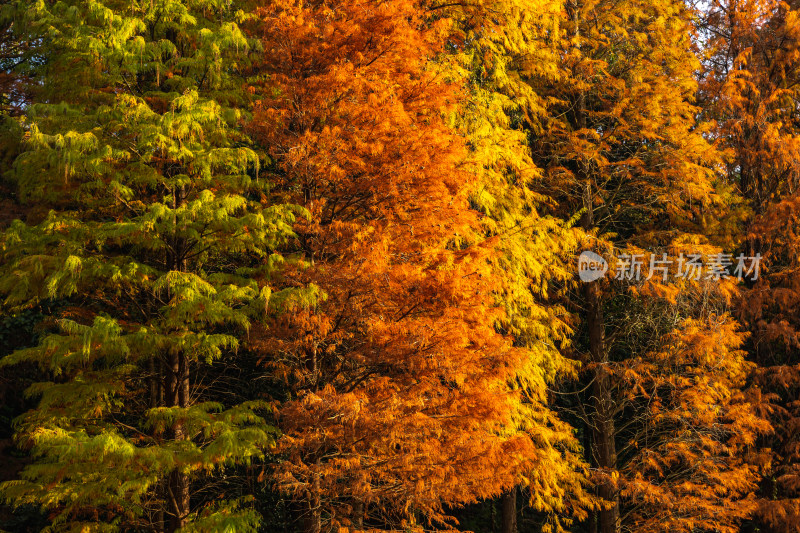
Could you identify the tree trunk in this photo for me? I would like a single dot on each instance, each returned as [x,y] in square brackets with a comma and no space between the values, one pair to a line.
[178,396]
[604,447]
[508,519]
[312,521]
[156,383]
[177,392]
[604,450]
[358,515]
[312,514]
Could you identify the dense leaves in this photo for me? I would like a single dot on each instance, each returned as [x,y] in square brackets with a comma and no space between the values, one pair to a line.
[310,266]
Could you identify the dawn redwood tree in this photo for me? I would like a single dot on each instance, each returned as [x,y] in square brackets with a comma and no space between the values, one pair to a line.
[686,423]
[750,87]
[621,148]
[403,396]
[749,84]
[769,308]
[151,230]
[496,47]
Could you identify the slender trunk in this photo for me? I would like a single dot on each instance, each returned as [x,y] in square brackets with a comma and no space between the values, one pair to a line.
[178,495]
[178,485]
[153,382]
[312,514]
[604,447]
[358,515]
[312,520]
[156,400]
[508,518]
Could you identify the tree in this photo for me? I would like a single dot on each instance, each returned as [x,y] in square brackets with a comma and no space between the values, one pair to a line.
[750,89]
[401,398]
[688,441]
[497,47]
[749,81]
[768,308]
[621,148]
[154,234]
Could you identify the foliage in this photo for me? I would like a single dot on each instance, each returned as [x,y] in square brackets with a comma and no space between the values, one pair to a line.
[309,266]
[154,225]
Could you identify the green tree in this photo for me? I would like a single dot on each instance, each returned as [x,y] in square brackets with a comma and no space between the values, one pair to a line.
[154,234]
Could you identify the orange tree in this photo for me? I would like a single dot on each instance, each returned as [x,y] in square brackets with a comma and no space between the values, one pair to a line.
[750,86]
[402,399]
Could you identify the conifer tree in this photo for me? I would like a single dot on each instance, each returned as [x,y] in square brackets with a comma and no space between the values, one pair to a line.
[769,309]
[621,147]
[497,47]
[151,228]
[403,392]
[687,426]
[750,86]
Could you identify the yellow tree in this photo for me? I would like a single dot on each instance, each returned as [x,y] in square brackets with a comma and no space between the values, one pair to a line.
[496,47]
[622,148]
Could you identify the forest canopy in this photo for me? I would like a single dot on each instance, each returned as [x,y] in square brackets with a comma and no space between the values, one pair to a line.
[500,266]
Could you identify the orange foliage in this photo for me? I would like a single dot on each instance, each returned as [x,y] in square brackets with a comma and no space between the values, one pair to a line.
[689,466]
[769,308]
[400,400]
[751,87]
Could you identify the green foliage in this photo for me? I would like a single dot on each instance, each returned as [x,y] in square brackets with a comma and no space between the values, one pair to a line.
[153,193]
